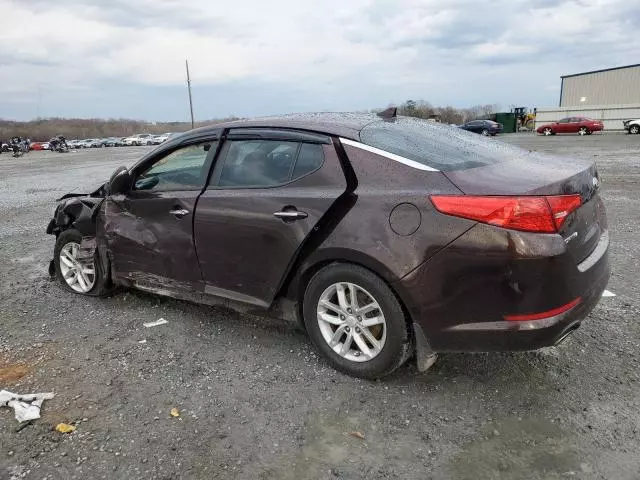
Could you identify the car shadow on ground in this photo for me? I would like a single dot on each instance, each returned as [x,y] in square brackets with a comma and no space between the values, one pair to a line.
[499,367]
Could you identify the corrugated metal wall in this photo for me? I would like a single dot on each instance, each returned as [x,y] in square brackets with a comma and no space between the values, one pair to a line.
[612,117]
[611,87]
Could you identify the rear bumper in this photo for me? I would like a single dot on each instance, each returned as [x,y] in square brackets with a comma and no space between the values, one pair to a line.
[460,297]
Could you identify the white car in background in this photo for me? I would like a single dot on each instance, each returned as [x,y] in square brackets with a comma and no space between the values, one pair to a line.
[632,126]
[138,140]
[163,138]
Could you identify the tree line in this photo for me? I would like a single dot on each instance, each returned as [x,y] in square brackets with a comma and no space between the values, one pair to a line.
[42,129]
[423,109]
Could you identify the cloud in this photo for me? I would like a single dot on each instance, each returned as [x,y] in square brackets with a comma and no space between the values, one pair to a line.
[317,55]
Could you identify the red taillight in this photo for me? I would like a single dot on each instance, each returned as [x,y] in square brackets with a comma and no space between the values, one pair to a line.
[543,315]
[543,214]
[562,206]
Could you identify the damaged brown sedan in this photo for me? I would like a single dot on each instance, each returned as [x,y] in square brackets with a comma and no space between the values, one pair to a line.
[385,237]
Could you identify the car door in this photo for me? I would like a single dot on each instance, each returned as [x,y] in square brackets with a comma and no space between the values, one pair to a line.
[574,125]
[563,126]
[149,230]
[473,126]
[269,190]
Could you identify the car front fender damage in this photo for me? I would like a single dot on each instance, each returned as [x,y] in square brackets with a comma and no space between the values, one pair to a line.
[80,213]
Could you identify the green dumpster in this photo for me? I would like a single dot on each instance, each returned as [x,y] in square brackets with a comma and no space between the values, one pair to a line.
[508,121]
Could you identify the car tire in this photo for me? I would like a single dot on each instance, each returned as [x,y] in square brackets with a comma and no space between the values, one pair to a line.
[584,131]
[485,133]
[370,345]
[635,129]
[96,284]
[547,131]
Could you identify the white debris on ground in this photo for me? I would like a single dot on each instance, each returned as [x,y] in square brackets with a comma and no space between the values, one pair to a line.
[26,407]
[160,321]
[608,293]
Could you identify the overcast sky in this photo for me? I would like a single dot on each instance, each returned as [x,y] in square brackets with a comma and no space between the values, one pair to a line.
[125,58]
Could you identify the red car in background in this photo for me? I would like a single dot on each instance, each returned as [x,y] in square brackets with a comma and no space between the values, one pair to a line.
[39,146]
[579,125]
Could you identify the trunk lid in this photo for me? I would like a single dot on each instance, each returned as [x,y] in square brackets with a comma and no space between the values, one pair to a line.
[536,174]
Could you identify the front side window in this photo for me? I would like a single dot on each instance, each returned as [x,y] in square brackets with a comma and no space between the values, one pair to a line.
[268,163]
[182,169]
[564,120]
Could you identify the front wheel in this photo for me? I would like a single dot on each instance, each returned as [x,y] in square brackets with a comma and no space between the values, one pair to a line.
[355,321]
[635,129]
[583,131]
[485,132]
[547,131]
[76,273]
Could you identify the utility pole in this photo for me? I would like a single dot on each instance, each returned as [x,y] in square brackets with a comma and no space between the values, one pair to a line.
[39,102]
[189,88]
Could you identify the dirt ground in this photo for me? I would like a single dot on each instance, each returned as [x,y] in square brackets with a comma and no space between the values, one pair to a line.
[256,402]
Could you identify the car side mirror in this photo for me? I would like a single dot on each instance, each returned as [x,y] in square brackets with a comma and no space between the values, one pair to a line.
[120,181]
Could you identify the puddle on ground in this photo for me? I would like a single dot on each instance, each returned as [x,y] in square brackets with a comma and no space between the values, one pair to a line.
[527,448]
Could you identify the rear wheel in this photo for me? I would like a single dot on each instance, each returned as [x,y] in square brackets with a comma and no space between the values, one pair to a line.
[356,321]
[547,131]
[635,129]
[485,132]
[584,131]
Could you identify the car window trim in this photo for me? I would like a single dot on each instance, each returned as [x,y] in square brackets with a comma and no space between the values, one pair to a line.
[389,155]
[214,179]
[274,133]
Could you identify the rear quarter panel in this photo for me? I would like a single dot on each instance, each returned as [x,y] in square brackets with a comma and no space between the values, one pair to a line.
[364,234]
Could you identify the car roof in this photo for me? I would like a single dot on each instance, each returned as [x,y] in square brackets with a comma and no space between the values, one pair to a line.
[347,125]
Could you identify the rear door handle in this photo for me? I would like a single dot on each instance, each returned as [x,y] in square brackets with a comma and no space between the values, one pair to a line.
[179,212]
[290,215]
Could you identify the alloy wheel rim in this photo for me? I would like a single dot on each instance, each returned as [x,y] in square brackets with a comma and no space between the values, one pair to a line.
[547,131]
[582,131]
[351,321]
[79,275]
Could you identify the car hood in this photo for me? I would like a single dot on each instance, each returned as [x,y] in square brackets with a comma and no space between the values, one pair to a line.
[99,192]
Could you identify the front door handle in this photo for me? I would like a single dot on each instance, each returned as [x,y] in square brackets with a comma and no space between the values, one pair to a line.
[290,215]
[179,212]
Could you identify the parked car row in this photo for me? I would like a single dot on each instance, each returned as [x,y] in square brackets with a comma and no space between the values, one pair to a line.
[141,139]
[579,125]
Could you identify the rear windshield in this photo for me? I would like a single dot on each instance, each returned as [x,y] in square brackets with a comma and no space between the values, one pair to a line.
[436,145]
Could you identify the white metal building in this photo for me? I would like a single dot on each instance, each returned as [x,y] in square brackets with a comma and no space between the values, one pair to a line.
[613,86]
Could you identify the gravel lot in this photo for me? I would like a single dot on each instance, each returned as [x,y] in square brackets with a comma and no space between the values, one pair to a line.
[255,400]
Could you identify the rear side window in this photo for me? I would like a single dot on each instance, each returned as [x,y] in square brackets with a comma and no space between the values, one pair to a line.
[435,145]
[268,163]
[310,158]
